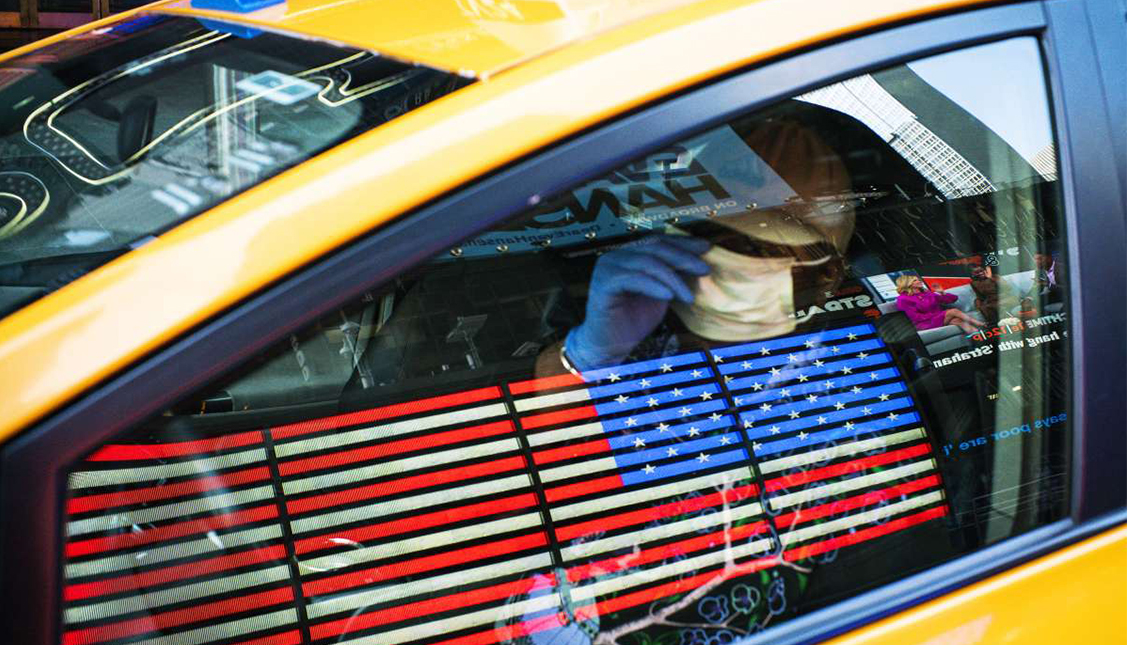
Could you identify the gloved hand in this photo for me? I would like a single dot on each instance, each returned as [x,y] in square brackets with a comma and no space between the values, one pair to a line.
[629,294]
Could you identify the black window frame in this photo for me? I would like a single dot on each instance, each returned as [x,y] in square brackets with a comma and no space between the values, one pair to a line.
[33,466]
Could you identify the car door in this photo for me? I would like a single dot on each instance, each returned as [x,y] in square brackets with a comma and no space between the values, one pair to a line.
[260,500]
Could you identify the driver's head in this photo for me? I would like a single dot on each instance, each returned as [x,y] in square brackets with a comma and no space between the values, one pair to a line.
[768,264]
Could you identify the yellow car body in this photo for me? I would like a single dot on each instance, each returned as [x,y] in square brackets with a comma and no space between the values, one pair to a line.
[547,71]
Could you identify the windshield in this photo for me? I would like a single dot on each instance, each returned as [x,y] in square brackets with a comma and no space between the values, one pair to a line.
[113,136]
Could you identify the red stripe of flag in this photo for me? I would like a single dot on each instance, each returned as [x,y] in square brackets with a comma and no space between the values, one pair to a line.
[569,452]
[650,594]
[856,465]
[388,449]
[430,606]
[363,534]
[386,412]
[384,489]
[848,539]
[507,633]
[176,572]
[165,491]
[456,559]
[169,619]
[655,512]
[548,383]
[170,531]
[583,488]
[657,554]
[561,416]
[115,452]
[847,504]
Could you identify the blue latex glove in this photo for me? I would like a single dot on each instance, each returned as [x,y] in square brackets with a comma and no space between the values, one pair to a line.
[629,295]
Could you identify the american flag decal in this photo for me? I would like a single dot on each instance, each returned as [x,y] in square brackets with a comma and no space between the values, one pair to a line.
[564,503]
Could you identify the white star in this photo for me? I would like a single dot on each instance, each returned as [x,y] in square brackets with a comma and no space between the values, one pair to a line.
[794,414]
[893,416]
[856,389]
[684,412]
[677,392]
[812,398]
[724,440]
[775,371]
[774,429]
[846,370]
[696,373]
[852,337]
[861,356]
[718,359]
[755,446]
[663,427]
[652,402]
[849,425]
[765,352]
[631,421]
[614,377]
[821,420]
[828,385]
[802,378]
[838,405]
[639,443]
[747,365]
[785,392]
[665,368]
[873,376]
[803,435]
[867,410]
[728,378]
[757,386]
[809,343]
[792,358]
[706,396]
[716,416]
[819,363]
[836,350]
[693,431]
[738,400]
[703,457]
[766,407]
[747,424]
[649,469]
[672,452]
[884,397]
[622,399]
[645,382]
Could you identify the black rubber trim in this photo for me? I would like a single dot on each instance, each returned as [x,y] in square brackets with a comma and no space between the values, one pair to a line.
[1096,230]
[33,466]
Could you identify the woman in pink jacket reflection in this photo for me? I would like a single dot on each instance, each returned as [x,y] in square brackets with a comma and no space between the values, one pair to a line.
[927,309]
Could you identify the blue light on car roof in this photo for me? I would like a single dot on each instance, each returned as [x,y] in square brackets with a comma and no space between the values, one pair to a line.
[240,31]
[236,6]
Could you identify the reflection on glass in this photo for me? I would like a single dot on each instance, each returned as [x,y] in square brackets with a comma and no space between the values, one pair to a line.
[114,136]
[784,361]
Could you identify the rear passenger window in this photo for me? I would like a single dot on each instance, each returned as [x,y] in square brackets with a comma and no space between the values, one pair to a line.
[786,360]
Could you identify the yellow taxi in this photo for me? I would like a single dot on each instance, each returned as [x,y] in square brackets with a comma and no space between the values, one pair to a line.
[565,322]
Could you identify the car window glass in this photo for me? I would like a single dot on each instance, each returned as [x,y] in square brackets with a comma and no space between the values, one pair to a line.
[111,137]
[783,361]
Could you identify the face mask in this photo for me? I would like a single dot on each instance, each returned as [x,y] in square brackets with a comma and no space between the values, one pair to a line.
[743,298]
